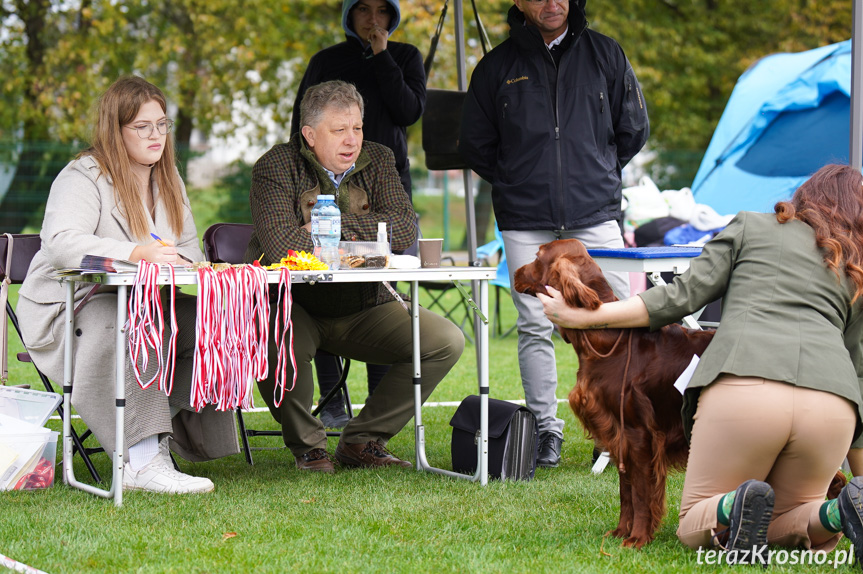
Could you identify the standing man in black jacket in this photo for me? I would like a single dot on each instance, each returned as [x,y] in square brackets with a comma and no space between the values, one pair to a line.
[391,78]
[551,117]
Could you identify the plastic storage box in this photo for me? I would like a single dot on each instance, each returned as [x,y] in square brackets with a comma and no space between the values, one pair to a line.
[28,461]
[364,255]
[34,407]
[28,451]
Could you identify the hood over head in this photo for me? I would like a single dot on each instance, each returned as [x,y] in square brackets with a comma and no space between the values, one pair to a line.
[347,5]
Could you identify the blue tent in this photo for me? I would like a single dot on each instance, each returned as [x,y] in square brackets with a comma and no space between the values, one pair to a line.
[788,115]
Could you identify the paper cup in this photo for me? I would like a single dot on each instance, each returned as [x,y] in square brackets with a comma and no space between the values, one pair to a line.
[430,250]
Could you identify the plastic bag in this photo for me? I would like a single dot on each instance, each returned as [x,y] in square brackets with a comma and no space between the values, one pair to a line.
[645,202]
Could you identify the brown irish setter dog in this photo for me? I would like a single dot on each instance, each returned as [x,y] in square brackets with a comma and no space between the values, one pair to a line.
[624,394]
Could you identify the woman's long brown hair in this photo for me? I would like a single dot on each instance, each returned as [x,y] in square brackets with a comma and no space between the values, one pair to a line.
[117,107]
[831,203]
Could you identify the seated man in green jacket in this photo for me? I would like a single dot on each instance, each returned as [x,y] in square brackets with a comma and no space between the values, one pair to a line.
[356,320]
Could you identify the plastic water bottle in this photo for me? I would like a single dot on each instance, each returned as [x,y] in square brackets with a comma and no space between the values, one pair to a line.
[327,230]
[382,232]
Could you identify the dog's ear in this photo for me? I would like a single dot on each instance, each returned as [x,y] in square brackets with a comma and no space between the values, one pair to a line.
[564,277]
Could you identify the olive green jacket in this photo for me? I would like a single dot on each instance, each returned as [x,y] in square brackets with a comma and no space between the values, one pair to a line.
[785,315]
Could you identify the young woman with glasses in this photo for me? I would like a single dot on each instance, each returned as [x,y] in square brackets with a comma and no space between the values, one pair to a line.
[108,202]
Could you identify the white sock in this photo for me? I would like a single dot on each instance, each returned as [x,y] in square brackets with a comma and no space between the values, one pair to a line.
[142,452]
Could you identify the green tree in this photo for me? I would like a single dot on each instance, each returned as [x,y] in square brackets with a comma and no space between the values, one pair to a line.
[225,64]
[688,56]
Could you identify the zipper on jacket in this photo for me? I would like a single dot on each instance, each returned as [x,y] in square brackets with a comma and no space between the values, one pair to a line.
[505,105]
[637,95]
[560,193]
[601,102]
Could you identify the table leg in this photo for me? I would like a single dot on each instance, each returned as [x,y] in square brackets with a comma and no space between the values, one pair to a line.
[483,381]
[422,464]
[68,472]
[690,321]
[120,394]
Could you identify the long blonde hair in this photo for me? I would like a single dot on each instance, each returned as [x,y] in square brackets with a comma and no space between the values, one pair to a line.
[117,107]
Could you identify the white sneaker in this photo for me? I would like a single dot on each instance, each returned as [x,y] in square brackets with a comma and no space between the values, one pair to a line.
[159,476]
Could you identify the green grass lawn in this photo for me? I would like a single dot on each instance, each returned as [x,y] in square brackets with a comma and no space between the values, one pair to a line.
[271,517]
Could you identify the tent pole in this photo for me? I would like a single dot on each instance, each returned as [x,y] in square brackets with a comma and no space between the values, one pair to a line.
[856,147]
[469,211]
[470,215]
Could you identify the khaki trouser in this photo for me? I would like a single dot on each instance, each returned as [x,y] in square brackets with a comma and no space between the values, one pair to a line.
[791,437]
[379,335]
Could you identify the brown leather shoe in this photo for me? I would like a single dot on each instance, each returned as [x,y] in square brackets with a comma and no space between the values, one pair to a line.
[316,460]
[369,454]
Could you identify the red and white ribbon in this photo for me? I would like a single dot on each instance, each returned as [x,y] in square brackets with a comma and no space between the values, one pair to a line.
[284,337]
[231,336]
[145,326]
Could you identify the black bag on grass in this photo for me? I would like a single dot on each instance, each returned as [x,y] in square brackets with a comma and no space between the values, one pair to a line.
[512,445]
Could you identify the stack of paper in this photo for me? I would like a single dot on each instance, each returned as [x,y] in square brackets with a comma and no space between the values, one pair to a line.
[96,264]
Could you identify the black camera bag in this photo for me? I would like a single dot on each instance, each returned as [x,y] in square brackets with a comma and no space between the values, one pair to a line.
[512,445]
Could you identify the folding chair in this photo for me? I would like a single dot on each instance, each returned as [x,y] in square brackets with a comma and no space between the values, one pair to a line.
[226,243]
[501,280]
[15,257]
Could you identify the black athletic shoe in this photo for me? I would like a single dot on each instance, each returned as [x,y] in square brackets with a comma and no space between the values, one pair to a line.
[750,517]
[851,510]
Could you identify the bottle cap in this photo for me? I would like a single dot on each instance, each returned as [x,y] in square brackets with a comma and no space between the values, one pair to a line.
[325,197]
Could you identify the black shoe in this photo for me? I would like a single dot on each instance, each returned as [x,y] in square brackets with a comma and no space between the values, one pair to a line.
[334,420]
[851,512]
[548,451]
[750,517]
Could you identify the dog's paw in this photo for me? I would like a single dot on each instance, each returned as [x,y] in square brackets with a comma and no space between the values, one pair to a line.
[636,542]
[619,532]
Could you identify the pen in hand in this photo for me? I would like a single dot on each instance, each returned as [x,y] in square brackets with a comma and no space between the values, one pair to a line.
[159,239]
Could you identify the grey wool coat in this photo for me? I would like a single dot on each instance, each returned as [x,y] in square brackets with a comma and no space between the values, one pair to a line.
[82,218]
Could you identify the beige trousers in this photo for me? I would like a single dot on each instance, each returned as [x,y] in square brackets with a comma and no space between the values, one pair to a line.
[791,437]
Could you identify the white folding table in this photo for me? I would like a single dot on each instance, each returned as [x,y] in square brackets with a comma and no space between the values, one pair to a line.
[479,275]
[650,260]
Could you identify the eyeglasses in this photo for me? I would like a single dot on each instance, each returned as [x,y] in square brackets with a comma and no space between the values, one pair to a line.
[146,130]
[540,2]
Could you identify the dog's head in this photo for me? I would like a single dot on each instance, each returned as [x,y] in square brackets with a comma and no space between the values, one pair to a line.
[565,265]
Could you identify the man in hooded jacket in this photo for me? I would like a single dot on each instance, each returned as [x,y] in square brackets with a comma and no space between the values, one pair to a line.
[551,117]
[391,78]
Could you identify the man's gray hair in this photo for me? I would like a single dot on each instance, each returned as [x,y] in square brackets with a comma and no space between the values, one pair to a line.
[336,93]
